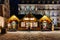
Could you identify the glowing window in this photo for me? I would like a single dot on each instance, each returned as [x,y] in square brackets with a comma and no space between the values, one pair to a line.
[22,24]
[26,18]
[35,24]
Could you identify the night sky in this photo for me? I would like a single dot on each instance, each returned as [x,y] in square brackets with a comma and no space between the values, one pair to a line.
[13,7]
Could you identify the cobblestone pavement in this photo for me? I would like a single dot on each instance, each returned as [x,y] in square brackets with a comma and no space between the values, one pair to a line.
[31,35]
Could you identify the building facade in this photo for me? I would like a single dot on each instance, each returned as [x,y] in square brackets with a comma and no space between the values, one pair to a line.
[50,10]
[5,11]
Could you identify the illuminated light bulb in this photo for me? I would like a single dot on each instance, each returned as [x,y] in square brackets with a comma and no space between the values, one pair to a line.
[53,2]
[38,1]
[36,9]
[18,9]
[57,2]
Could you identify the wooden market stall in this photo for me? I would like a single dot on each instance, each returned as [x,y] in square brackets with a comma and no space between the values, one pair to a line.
[13,23]
[45,23]
[29,22]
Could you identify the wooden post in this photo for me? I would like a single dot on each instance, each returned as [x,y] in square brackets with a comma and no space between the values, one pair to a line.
[52,27]
[18,25]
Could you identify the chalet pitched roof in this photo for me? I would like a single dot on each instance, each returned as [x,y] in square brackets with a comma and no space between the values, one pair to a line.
[46,18]
[30,16]
[13,17]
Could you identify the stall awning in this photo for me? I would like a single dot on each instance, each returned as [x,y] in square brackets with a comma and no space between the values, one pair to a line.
[45,18]
[12,18]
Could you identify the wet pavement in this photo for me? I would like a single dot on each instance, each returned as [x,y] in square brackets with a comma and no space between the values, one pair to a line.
[31,35]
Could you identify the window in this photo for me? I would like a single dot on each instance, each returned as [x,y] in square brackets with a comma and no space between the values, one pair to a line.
[55,21]
[32,7]
[22,7]
[58,14]
[35,24]
[53,13]
[22,24]
[27,24]
[22,12]
[31,24]
[28,8]
[47,13]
